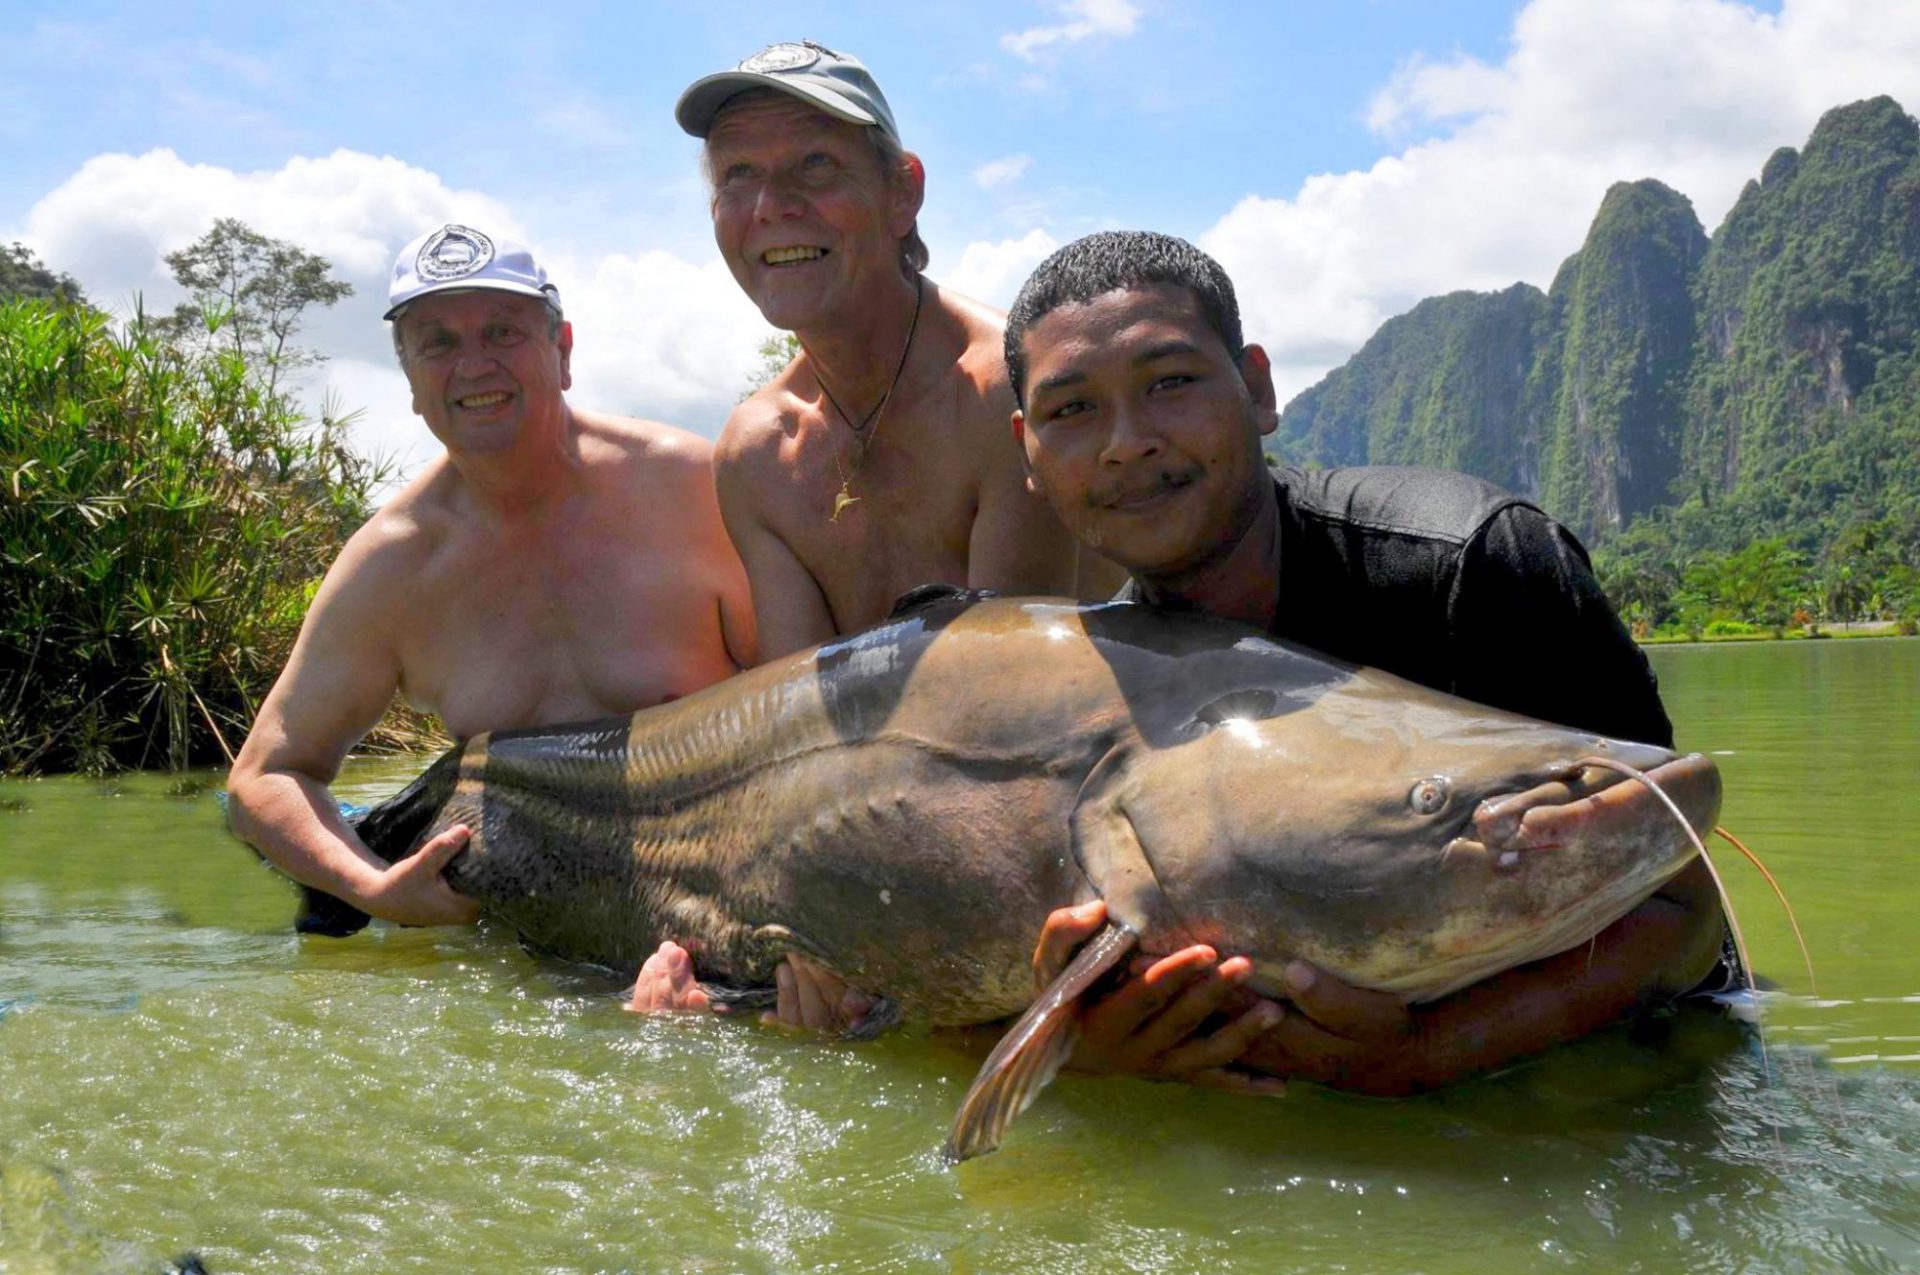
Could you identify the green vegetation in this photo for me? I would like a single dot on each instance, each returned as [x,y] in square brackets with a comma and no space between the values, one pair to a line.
[22,275]
[249,292]
[1733,425]
[165,513]
[1409,396]
[775,353]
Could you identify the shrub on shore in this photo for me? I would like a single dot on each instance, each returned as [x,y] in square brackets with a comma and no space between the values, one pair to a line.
[164,519]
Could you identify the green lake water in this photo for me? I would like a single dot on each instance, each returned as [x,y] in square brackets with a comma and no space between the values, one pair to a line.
[179,1072]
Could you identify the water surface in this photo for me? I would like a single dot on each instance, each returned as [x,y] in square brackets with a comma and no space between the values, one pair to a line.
[178,1071]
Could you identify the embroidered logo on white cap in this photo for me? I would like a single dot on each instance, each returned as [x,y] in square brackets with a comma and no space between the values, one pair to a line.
[453,252]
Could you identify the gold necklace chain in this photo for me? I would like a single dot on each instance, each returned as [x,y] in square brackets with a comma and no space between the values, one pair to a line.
[861,439]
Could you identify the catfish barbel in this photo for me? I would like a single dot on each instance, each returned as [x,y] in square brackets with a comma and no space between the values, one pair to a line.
[907,805]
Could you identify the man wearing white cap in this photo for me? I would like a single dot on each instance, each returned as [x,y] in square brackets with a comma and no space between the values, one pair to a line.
[879,458]
[554,564]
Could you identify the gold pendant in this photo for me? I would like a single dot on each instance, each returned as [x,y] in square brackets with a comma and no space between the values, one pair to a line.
[842,500]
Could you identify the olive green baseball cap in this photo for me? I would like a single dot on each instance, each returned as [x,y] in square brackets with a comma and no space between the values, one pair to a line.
[837,83]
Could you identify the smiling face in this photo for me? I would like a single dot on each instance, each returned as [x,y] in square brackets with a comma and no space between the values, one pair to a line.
[1141,430]
[803,213]
[481,363]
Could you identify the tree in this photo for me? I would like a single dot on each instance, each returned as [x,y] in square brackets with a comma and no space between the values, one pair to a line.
[1759,584]
[775,352]
[22,275]
[1846,594]
[249,293]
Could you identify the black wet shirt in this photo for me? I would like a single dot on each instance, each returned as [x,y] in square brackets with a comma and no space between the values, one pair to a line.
[1450,582]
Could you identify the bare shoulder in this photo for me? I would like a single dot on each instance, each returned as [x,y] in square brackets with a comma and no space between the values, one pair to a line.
[757,431]
[402,537]
[631,442]
[978,333]
[650,473]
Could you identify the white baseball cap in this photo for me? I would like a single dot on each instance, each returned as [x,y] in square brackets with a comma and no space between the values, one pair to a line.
[456,257]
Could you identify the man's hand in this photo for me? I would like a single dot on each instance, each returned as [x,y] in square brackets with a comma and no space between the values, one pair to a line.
[1342,1036]
[413,891]
[814,997]
[809,996]
[1151,1025]
[666,983]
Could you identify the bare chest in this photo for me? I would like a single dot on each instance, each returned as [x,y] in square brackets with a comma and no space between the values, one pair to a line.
[868,526]
[519,636]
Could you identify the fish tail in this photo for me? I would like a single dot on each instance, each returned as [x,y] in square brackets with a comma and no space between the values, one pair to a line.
[397,826]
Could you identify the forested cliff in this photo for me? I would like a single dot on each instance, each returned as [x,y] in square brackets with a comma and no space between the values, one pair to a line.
[1673,397]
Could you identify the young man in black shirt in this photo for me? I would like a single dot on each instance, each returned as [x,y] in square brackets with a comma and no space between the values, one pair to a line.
[1141,413]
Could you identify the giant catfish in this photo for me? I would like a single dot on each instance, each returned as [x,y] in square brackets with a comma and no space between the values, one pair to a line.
[907,805]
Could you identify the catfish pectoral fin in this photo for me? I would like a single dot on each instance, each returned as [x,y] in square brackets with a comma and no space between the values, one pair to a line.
[1027,1057]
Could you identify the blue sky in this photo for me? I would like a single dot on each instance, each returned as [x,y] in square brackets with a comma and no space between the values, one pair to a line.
[557,113]
[1342,159]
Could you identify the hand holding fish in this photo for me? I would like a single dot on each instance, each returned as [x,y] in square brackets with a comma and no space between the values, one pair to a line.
[1369,1042]
[809,995]
[666,983]
[1153,1023]
[414,891]
[1344,1036]
[814,997]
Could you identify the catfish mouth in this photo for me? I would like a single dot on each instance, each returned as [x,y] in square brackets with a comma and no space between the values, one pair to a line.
[1588,801]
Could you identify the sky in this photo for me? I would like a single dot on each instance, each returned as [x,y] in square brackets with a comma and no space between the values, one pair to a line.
[1342,160]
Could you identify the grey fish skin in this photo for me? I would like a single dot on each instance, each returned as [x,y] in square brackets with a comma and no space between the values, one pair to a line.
[907,805]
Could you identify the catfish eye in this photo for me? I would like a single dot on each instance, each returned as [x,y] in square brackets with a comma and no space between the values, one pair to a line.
[1429,796]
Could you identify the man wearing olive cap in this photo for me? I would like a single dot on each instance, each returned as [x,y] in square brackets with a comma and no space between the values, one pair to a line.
[555,564]
[878,460]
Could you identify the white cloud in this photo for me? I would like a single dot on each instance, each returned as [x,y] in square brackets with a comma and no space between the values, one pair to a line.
[993,272]
[1517,155]
[1085,18]
[385,427]
[655,335]
[1002,172]
[658,336]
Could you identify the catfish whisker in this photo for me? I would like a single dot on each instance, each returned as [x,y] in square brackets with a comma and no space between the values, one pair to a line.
[1806,956]
[1726,903]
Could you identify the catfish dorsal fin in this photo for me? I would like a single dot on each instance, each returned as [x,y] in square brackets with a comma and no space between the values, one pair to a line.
[1031,1052]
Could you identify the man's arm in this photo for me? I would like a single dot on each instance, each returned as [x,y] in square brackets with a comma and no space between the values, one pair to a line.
[342,674]
[790,611]
[737,628]
[1533,633]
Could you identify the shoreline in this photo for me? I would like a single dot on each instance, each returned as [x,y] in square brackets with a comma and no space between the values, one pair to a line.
[1838,632]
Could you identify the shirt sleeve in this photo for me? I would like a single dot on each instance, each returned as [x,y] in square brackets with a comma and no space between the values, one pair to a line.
[1535,633]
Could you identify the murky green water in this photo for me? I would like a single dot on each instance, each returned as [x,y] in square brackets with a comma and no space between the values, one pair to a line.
[177,1071]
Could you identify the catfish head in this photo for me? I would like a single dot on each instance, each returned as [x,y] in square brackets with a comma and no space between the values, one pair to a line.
[1402,839]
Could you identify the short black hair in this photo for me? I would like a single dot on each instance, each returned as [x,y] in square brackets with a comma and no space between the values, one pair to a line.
[1112,261]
